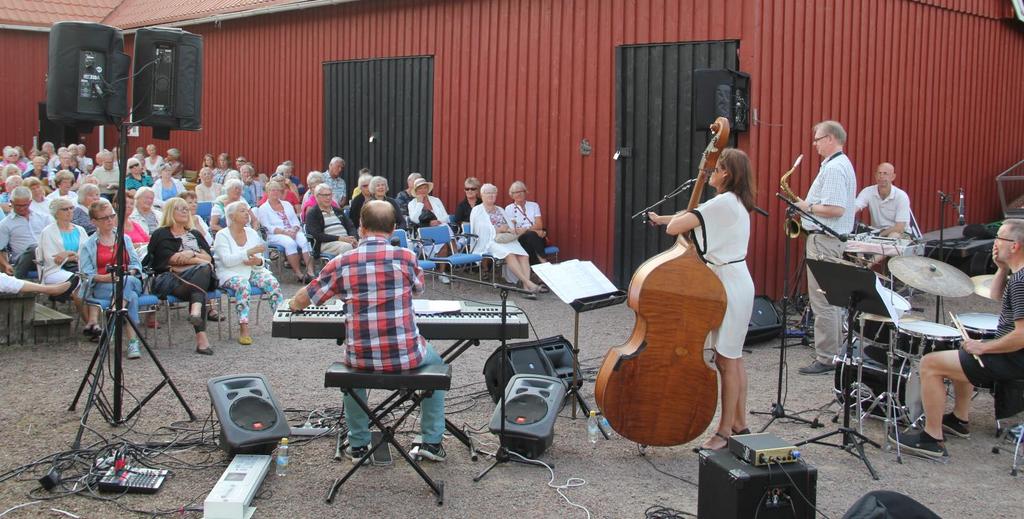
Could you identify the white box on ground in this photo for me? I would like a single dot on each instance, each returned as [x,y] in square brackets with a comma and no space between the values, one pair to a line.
[230,497]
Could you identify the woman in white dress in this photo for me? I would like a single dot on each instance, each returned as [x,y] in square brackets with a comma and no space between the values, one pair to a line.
[285,230]
[492,226]
[726,219]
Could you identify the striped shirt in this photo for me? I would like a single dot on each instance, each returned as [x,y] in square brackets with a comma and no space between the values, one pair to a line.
[836,184]
[1013,303]
[376,282]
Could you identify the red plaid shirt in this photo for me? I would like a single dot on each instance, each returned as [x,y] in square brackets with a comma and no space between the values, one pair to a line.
[376,282]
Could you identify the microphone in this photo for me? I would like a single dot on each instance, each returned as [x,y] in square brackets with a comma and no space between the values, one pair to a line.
[961,220]
[943,197]
[762,212]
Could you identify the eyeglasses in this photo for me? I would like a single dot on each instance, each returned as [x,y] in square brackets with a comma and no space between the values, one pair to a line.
[1005,239]
[518,192]
[68,208]
[134,165]
[105,218]
[816,139]
[472,188]
[323,194]
[181,209]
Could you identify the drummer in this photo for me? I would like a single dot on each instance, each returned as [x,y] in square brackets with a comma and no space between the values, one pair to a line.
[978,363]
[888,205]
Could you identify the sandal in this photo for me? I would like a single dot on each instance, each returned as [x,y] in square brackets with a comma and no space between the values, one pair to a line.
[720,435]
[215,317]
[91,330]
[741,432]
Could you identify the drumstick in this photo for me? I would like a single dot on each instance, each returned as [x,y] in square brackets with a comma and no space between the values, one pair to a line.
[963,333]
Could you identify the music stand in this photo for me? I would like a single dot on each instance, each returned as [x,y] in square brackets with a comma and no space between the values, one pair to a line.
[854,288]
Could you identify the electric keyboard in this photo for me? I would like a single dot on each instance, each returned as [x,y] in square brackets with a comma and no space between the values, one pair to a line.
[472,321]
[870,244]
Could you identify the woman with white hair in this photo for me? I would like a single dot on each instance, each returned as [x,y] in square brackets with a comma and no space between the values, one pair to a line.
[232,193]
[59,243]
[166,187]
[238,251]
[64,181]
[285,230]
[87,195]
[153,160]
[332,231]
[313,179]
[378,191]
[136,177]
[10,185]
[207,190]
[495,237]
[173,162]
[527,223]
[145,214]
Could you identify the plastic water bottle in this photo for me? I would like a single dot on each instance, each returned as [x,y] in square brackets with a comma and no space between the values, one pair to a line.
[605,426]
[593,432]
[282,457]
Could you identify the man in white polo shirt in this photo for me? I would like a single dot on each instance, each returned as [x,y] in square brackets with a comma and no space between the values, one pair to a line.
[888,205]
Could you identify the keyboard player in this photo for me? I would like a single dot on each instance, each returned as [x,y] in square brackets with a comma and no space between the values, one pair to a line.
[377,281]
[888,205]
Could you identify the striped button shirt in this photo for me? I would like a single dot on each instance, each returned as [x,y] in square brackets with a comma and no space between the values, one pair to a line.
[376,282]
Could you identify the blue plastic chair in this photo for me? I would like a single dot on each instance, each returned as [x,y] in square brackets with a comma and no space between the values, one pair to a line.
[442,234]
[551,250]
[149,302]
[254,293]
[203,209]
[214,295]
[404,242]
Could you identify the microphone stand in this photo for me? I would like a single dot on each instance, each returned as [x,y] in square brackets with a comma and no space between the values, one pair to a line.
[674,193]
[943,200]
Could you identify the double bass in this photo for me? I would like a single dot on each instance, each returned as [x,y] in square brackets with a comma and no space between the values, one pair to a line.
[656,389]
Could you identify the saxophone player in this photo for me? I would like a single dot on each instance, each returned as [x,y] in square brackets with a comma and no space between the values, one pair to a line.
[831,200]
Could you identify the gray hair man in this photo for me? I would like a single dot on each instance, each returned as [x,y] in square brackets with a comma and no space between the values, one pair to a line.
[19,234]
[334,177]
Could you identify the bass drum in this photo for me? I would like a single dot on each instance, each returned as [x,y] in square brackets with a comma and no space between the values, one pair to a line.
[906,385]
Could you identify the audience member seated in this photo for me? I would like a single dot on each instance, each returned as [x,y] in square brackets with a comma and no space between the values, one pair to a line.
[173,162]
[378,191]
[58,246]
[40,205]
[333,233]
[19,234]
[252,186]
[291,193]
[334,177]
[153,161]
[82,157]
[13,157]
[495,237]
[315,178]
[38,168]
[362,184]
[232,193]
[145,214]
[426,210]
[207,190]
[285,230]
[238,251]
[183,265]
[97,254]
[137,177]
[462,211]
[527,223]
[87,195]
[136,231]
[223,168]
[197,221]
[107,173]
[63,180]
[67,163]
[10,185]
[166,186]
[405,196]
[208,162]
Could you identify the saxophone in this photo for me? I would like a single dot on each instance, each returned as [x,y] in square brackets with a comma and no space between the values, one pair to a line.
[791,226]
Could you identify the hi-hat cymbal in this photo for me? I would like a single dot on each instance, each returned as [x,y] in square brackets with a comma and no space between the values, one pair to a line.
[983,285]
[931,276]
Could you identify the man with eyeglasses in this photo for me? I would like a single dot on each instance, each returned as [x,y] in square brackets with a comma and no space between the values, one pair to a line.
[334,177]
[19,234]
[976,363]
[831,200]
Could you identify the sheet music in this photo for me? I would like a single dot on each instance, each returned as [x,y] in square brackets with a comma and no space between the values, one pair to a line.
[574,279]
[435,306]
[890,304]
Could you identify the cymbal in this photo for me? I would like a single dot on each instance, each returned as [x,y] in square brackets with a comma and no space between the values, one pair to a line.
[983,285]
[931,276]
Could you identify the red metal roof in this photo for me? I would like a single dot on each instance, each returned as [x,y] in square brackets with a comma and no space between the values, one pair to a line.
[142,13]
[43,13]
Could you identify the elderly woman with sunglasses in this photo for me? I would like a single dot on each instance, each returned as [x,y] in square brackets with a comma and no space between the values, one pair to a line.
[98,253]
[465,207]
[136,177]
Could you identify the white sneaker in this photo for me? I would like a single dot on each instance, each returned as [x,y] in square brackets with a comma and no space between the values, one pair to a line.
[134,351]
[445,279]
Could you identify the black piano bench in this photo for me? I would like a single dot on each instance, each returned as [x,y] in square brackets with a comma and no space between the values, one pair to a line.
[413,385]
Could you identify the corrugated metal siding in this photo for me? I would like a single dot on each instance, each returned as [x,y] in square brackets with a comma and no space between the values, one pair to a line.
[520,82]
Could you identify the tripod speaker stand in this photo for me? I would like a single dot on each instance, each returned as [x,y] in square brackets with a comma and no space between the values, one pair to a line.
[855,288]
[117,318]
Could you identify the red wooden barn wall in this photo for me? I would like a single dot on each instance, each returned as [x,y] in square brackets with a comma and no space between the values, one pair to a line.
[928,85]
[22,85]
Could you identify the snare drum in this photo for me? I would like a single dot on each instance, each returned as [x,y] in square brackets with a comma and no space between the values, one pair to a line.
[979,326]
[918,338]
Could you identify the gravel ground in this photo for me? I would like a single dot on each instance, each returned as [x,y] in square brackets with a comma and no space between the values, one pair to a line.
[40,380]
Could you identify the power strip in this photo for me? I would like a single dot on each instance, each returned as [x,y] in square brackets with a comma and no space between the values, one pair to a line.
[232,494]
[309,431]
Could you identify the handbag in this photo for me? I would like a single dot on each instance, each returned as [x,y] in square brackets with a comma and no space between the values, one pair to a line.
[504,237]
[426,217]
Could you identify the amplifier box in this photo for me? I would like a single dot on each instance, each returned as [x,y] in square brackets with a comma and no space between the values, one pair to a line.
[762,449]
[729,488]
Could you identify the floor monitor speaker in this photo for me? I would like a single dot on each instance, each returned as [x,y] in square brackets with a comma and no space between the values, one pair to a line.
[251,420]
[533,405]
[551,357]
[765,322]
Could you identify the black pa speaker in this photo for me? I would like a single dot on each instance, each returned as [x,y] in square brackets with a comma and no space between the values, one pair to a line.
[87,73]
[533,405]
[765,322]
[251,421]
[551,357]
[168,91]
[721,93]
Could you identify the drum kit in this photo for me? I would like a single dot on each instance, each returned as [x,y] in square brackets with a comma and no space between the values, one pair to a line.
[888,352]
